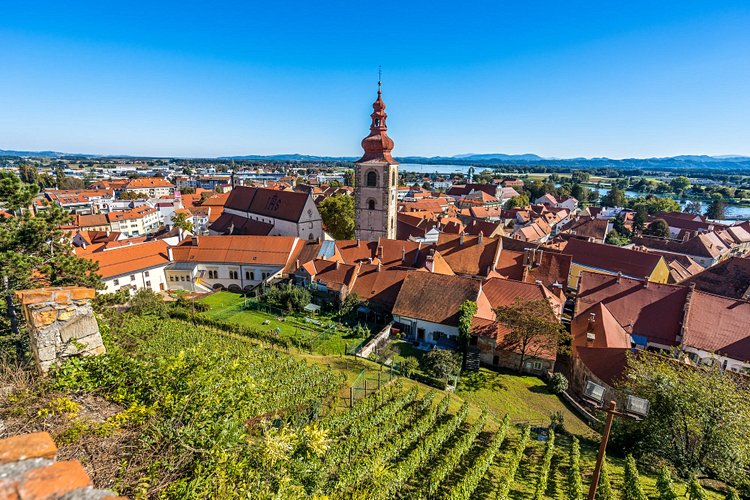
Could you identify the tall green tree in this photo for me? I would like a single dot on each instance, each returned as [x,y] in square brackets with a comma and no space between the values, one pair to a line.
[534,329]
[717,208]
[679,184]
[466,313]
[699,417]
[658,228]
[614,198]
[182,221]
[337,213]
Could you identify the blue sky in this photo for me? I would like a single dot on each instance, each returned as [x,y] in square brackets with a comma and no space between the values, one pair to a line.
[562,79]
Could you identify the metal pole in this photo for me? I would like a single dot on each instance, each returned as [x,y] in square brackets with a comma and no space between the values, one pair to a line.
[602,449]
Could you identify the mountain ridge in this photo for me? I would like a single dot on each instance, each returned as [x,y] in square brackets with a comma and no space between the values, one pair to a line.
[466,159]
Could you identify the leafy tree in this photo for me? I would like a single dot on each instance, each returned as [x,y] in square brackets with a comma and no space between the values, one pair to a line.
[287,297]
[679,184]
[146,301]
[132,195]
[664,484]
[441,363]
[631,487]
[466,313]
[614,198]
[533,327]
[28,174]
[695,491]
[337,213]
[348,304]
[604,491]
[181,221]
[640,217]
[517,202]
[66,182]
[615,238]
[699,418]
[579,192]
[409,365]
[717,208]
[15,194]
[658,228]
[579,176]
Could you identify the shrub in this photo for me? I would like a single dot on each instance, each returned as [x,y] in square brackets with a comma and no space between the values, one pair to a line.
[146,301]
[409,365]
[441,363]
[695,491]
[664,484]
[604,490]
[287,297]
[557,421]
[557,383]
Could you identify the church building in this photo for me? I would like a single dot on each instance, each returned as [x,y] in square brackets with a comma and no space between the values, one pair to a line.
[376,181]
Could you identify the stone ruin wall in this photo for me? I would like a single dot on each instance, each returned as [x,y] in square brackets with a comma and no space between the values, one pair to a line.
[61,324]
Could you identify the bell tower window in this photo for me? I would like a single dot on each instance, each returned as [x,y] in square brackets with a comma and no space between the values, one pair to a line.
[372,179]
[371,204]
[377,122]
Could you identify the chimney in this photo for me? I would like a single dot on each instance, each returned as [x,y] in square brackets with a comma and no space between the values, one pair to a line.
[619,276]
[645,282]
[170,256]
[337,264]
[461,238]
[296,264]
[539,260]
[480,238]
[194,241]
[403,254]
[358,240]
[380,266]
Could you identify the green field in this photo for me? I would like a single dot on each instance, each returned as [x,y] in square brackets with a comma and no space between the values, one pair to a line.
[328,337]
[524,398]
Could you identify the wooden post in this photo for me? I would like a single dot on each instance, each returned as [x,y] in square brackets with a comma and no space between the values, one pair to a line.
[602,449]
[351,396]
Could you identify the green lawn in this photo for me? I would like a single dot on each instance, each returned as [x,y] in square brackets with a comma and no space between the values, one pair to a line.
[328,337]
[524,398]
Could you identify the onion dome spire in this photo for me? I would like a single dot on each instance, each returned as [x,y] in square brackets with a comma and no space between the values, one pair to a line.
[378,145]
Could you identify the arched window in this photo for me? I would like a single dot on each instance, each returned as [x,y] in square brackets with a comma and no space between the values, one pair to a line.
[372,179]
[371,204]
[393,177]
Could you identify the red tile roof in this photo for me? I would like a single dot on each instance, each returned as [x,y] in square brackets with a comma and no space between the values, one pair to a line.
[730,278]
[284,205]
[265,250]
[718,324]
[612,258]
[597,319]
[424,296]
[643,308]
[471,257]
[148,183]
[129,259]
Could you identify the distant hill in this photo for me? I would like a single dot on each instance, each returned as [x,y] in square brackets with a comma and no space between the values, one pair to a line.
[697,162]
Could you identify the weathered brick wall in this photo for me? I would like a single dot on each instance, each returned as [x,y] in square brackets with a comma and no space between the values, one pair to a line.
[29,471]
[61,324]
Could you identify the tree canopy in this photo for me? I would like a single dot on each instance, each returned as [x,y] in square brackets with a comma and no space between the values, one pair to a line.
[533,327]
[699,418]
[337,213]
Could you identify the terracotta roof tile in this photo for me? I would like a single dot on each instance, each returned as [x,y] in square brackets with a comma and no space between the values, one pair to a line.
[268,250]
[718,324]
[423,296]
[129,259]
[730,278]
[643,308]
[612,258]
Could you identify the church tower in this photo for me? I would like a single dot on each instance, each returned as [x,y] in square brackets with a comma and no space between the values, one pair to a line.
[376,181]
